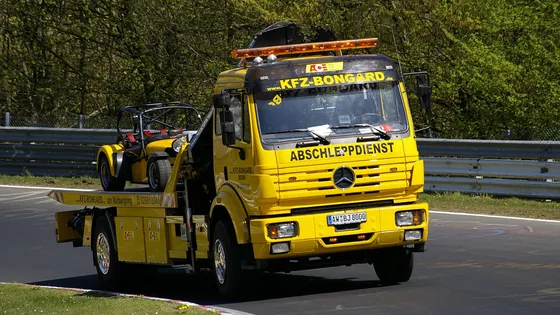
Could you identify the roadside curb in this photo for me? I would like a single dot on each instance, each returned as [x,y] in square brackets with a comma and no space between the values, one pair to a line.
[190,304]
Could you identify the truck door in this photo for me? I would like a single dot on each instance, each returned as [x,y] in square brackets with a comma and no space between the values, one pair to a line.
[234,164]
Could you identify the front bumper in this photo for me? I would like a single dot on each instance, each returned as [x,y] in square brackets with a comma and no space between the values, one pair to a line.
[315,237]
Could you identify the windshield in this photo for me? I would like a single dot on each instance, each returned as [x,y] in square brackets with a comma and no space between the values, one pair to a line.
[347,109]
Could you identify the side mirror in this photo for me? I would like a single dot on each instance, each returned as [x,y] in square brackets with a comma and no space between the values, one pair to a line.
[424,91]
[228,128]
[223,100]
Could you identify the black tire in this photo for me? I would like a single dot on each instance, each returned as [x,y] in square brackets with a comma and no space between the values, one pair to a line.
[225,251]
[109,182]
[393,265]
[159,171]
[109,270]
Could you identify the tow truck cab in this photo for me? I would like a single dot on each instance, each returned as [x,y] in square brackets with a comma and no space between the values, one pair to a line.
[314,156]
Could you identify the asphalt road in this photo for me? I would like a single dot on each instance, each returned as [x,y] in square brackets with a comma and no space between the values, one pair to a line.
[473,265]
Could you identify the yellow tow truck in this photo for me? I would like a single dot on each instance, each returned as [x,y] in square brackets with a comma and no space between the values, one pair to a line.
[306,159]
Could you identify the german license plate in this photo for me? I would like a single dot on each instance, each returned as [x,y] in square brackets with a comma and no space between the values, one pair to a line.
[346,218]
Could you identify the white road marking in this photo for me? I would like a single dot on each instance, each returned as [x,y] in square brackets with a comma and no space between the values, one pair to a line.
[47,216]
[493,216]
[21,196]
[27,199]
[25,193]
[372,294]
[48,200]
[483,225]
[45,188]
[452,221]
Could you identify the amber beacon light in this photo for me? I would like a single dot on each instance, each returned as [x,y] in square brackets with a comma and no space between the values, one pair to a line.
[305,48]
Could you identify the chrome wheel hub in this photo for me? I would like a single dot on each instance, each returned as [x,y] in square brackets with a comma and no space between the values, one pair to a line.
[220,261]
[103,253]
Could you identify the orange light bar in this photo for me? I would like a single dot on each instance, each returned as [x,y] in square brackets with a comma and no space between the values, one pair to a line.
[305,48]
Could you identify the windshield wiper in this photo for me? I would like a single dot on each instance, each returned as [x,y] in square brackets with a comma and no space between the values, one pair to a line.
[315,135]
[384,135]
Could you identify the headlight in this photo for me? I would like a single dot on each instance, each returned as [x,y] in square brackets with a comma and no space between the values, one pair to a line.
[282,230]
[405,218]
[177,144]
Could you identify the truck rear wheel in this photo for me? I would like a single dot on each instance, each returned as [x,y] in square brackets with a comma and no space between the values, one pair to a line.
[109,269]
[393,265]
[226,260]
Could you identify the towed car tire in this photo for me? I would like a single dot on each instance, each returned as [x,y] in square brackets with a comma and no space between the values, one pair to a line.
[159,171]
[108,181]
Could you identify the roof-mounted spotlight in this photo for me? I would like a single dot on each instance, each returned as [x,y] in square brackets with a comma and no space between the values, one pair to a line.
[271,58]
[258,61]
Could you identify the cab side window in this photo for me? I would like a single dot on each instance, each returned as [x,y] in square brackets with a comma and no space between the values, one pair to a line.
[241,121]
[236,108]
[246,121]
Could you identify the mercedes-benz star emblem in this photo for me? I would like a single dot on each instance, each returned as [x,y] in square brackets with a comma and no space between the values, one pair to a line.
[343,177]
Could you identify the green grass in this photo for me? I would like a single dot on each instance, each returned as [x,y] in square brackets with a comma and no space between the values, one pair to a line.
[84,182]
[453,202]
[68,182]
[26,299]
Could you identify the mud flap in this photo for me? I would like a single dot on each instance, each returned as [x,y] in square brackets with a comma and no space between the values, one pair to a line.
[64,233]
[202,239]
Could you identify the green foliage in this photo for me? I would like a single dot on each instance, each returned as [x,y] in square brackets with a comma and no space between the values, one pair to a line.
[492,64]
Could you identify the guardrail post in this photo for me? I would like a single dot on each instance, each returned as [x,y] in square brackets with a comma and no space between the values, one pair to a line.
[81,121]
[507,134]
[548,180]
[7,119]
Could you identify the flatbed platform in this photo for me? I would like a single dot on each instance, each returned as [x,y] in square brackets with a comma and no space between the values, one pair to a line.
[124,199]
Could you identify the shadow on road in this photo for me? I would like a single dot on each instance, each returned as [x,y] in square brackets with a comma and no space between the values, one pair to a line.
[200,288]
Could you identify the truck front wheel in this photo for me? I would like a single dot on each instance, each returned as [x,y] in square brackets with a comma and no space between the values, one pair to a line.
[227,262]
[393,265]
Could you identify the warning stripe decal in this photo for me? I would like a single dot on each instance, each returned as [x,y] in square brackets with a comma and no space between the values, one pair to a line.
[168,201]
[56,196]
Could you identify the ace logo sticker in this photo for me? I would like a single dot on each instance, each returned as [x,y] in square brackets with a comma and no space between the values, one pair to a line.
[324,67]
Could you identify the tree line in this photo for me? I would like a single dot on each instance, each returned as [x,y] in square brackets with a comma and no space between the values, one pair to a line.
[494,64]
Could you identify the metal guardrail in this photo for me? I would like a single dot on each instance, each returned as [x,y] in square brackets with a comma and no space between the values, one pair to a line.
[506,149]
[51,151]
[503,168]
[507,168]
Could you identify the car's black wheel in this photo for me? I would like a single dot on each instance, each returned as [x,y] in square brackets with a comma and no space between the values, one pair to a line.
[393,265]
[111,272]
[226,261]
[109,182]
[159,171]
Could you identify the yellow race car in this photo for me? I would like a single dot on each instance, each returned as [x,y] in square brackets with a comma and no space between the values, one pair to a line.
[149,137]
